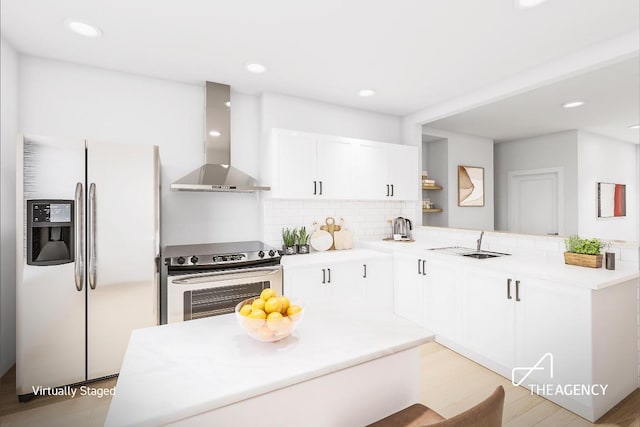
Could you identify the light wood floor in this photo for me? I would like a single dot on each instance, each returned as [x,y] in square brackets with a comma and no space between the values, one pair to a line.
[450,384]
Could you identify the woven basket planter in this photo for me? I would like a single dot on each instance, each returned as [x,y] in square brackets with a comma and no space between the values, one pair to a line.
[583,260]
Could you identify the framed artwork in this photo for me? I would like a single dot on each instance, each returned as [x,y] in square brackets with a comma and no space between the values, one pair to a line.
[470,186]
[612,200]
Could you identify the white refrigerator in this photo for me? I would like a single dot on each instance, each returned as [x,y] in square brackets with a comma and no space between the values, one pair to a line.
[88,244]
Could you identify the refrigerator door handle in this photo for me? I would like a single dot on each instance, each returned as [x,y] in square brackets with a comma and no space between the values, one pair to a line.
[92,235]
[79,238]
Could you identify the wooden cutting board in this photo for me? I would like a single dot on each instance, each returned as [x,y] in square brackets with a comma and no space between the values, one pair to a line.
[320,240]
[330,227]
[343,238]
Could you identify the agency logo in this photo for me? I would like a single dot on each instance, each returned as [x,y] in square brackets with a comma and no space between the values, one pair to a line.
[552,388]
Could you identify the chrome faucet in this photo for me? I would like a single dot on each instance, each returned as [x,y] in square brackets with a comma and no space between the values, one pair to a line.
[479,242]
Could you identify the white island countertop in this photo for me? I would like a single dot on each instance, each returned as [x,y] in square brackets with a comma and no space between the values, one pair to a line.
[174,371]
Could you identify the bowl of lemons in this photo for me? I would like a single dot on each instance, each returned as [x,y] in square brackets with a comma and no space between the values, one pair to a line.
[268,317]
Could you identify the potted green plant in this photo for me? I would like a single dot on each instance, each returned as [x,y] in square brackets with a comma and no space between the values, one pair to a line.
[583,252]
[289,238]
[303,241]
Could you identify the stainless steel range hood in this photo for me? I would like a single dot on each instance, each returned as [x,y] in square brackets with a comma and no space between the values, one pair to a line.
[217,174]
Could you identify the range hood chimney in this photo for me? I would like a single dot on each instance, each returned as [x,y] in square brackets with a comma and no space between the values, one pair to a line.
[217,174]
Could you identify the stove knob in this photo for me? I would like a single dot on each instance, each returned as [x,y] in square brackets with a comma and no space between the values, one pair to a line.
[272,252]
[261,254]
[180,260]
[194,259]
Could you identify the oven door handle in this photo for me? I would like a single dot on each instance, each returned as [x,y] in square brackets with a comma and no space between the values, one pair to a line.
[225,275]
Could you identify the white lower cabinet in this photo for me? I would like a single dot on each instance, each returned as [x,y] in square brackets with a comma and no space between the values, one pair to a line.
[376,276]
[443,297]
[408,287]
[369,279]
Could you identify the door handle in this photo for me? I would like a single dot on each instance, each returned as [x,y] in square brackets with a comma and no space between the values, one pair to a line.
[509,289]
[329,271]
[387,190]
[79,238]
[419,262]
[517,290]
[320,187]
[324,277]
[364,274]
[315,188]
[391,190]
[92,236]
[424,270]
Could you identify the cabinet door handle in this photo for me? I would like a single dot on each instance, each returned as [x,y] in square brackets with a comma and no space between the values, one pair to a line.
[419,262]
[517,290]
[364,274]
[329,270]
[320,187]
[391,190]
[509,289]
[315,188]
[324,278]
[424,269]
[387,190]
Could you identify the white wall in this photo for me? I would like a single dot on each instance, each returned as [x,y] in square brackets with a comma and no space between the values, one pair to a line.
[467,150]
[545,151]
[287,112]
[66,100]
[9,121]
[436,163]
[602,159]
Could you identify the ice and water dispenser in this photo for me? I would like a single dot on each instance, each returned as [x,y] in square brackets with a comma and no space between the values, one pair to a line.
[50,229]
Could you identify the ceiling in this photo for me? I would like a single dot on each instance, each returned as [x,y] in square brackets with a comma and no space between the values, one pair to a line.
[413,53]
[611,97]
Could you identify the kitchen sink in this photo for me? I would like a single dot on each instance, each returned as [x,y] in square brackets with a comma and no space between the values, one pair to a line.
[468,252]
[481,255]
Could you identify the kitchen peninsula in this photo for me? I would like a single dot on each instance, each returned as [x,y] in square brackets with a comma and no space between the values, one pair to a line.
[360,363]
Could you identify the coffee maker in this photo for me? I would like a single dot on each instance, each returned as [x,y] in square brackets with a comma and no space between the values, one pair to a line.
[50,230]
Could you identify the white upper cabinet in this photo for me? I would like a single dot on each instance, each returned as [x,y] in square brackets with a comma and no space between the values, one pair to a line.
[310,166]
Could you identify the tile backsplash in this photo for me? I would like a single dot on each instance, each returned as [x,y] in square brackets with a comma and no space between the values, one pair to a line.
[367,219]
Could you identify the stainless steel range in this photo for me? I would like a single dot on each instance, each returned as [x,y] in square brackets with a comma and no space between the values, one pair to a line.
[211,279]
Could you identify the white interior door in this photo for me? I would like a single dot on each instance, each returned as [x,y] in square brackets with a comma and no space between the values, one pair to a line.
[122,239]
[535,202]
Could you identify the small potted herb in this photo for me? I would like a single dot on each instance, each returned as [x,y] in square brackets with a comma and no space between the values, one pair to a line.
[303,241]
[583,252]
[289,238]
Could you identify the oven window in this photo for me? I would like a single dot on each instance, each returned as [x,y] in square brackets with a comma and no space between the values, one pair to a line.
[216,301]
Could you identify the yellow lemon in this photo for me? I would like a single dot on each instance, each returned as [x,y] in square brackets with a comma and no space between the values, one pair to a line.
[267,294]
[258,304]
[293,309]
[250,324]
[274,320]
[284,327]
[274,304]
[257,313]
[246,309]
[285,304]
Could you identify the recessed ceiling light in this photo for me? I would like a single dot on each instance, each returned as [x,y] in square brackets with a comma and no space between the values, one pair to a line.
[83,29]
[256,68]
[636,126]
[214,133]
[228,104]
[572,104]
[367,92]
[526,4]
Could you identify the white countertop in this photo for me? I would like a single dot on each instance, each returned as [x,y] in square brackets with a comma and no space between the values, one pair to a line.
[551,268]
[174,371]
[325,257]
